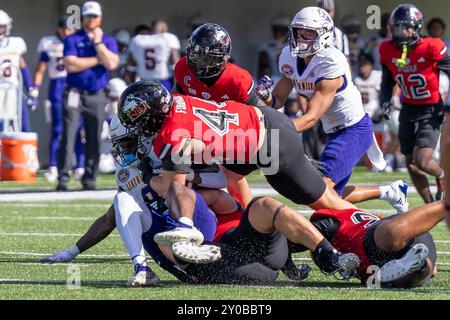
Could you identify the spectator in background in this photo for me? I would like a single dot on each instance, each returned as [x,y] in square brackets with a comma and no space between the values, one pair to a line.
[373,42]
[351,26]
[123,40]
[270,50]
[142,29]
[436,29]
[151,56]
[339,39]
[50,50]
[192,24]
[89,55]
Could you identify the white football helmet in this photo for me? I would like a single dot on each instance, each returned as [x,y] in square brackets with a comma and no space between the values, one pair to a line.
[5,21]
[312,19]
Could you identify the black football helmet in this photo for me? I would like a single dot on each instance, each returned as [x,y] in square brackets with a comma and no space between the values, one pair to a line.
[403,17]
[143,107]
[208,50]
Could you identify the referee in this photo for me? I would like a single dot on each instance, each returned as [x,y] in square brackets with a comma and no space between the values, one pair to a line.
[89,55]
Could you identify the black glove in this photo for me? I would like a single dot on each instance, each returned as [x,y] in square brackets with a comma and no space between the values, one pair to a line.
[382,113]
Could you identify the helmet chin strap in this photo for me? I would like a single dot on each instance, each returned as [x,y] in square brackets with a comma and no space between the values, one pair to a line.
[401,62]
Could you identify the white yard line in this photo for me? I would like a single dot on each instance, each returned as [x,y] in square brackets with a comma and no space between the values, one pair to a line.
[35,234]
[35,254]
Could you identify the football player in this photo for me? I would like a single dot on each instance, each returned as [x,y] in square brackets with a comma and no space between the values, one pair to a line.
[413,62]
[241,139]
[150,57]
[136,206]
[321,75]
[12,50]
[254,250]
[50,49]
[206,73]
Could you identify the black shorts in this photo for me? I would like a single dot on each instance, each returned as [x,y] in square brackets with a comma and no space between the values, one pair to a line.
[379,257]
[295,178]
[420,126]
[248,257]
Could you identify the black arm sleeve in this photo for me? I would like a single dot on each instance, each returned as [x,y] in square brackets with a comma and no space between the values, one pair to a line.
[444,65]
[252,100]
[387,85]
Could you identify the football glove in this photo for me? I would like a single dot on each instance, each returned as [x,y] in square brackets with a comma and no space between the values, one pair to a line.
[264,87]
[62,256]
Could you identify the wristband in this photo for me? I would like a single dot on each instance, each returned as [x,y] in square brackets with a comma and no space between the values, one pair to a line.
[98,43]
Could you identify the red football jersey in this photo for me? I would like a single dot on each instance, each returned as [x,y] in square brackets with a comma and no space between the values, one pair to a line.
[419,78]
[350,235]
[234,83]
[227,222]
[228,130]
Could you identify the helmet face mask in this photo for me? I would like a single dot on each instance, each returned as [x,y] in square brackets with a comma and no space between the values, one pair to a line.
[5,25]
[309,32]
[208,51]
[406,23]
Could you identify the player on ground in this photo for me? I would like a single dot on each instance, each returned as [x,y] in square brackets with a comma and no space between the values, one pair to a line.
[253,251]
[150,56]
[206,73]
[321,74]
[50,49]
[413,62]
[192,130]
[12,50]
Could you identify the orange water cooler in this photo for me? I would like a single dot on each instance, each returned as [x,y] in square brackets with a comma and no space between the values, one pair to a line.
[18,156]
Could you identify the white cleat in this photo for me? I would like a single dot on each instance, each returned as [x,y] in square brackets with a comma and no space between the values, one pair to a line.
[180,234]
[192,253]
[51,175]
[78,174]
[144,277]
[413,260]
[398,198]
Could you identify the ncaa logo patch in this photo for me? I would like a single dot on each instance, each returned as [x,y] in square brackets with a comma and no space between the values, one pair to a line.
[287,69]
[123,175]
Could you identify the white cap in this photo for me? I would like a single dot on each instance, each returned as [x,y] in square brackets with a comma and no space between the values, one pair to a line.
[91,8]
[116,87]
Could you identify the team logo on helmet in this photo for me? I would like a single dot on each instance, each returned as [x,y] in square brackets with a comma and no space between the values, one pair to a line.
[134,107]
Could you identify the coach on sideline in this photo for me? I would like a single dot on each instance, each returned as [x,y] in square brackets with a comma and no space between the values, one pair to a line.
[88,56]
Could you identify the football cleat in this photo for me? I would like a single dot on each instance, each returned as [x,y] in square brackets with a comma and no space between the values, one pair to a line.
[298,273]
[183,233]
[143,277]
[414,260]
[347,264]
[191,253]
[398,198]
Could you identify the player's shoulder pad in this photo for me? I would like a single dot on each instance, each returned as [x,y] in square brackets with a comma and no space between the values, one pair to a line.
[46,42]
[438,46]
[125,174]
[287,63]
[19,44]
[330,63]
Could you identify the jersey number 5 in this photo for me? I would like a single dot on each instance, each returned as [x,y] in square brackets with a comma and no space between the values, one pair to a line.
[415,87]
[149,57]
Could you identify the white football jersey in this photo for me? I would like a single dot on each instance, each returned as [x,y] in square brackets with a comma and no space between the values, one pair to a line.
[130,180]
[54,48]
[370,89]
[152,55]
[329,63]
[11,49]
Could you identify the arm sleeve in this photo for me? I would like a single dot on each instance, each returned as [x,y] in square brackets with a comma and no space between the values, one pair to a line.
[444,65]
[44,57]
[387,85]
[252,99]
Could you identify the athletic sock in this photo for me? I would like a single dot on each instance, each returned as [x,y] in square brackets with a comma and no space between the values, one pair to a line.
[386,193]
[141,260]
[187,221]
[325,256]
